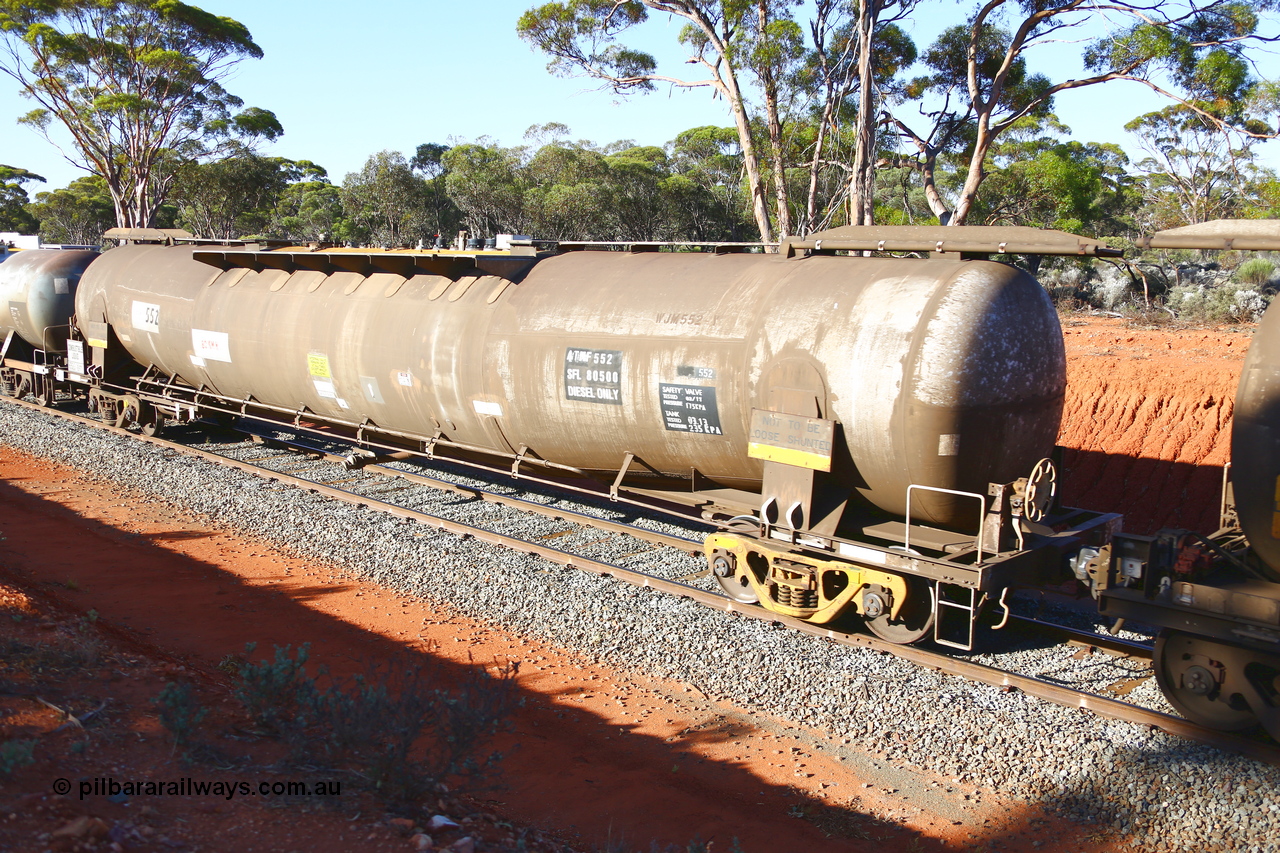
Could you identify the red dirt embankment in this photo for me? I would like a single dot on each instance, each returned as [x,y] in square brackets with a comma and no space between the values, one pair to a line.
[1147,424]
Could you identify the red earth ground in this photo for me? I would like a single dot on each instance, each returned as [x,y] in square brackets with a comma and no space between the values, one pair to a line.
[105,596]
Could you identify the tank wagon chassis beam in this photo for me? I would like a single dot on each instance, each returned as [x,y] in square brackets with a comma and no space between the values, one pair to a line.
[27,370]
[908,582]
[1046,690]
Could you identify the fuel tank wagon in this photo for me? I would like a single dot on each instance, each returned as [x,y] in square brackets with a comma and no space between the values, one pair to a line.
[944,373]
[1216,597]
[1255,442]
[37,295]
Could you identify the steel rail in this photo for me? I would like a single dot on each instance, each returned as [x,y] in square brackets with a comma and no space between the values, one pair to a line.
[1056,693]
[1114,645]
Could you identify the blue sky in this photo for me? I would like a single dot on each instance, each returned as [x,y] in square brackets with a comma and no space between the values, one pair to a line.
[349,79]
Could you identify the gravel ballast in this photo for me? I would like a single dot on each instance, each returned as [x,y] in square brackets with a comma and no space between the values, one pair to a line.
[1162,792]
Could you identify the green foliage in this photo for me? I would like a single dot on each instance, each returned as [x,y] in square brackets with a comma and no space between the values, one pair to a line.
[983,80]
[579,191]
[180,713]
[385,202]
[1041,181]
[76,214]
[14,215]
[1229,302]
[1255,272]
[137,86]
[310,209]
[395,725]
[485,182]
[232,197]
[16,754]
[582,34]
[947,57]
[1194,173]
[277,693]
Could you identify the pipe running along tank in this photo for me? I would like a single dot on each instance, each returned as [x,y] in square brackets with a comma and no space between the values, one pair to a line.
[946,373]
[37,294]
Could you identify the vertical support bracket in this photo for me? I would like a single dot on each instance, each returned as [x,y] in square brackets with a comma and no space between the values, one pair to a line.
[515,463]
[622,472]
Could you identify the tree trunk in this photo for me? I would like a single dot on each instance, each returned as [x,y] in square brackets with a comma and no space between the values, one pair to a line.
[863,182]
[977,170]
[750,161]
[770,85]
[779,168]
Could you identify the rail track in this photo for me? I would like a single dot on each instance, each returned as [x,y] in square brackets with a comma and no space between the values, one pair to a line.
[1060,694]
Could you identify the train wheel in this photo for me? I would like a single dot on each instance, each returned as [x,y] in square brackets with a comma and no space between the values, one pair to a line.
[915,619]
[1191,680]
[153,425]
[733,582]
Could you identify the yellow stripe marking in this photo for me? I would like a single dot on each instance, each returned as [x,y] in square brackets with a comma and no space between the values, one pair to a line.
[789,456]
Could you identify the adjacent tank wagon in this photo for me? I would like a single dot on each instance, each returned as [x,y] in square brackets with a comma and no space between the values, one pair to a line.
[1216,597]
[37,300]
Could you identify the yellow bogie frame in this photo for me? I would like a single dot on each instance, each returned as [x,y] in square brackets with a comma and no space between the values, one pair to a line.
[827,588]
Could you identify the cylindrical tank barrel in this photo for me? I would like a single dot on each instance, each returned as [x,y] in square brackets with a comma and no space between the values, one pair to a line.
[1255,442]
[941,373]
[37,294]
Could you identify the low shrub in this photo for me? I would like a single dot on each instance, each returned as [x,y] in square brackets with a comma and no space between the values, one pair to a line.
[180,714]
[16,754]
[1228,302]
[402,727]
[1255,272]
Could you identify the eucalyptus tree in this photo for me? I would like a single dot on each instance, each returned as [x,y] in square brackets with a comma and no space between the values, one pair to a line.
[78,213]
[232,197]
[137,85]
[1194,53]
[1039,179]
[1193,172]
[442,214]
[310,208]
[14,215]
[876,24]
[487,183]
[385,201]
[730,41]
[711,158]
[856,55]
[565,192]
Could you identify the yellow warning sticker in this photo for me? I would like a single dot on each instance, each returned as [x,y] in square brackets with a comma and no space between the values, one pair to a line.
[318,366]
